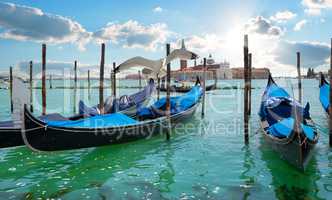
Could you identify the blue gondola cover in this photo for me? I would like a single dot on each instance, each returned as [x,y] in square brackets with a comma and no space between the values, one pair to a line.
[178,104]
[277,109]
[98,121]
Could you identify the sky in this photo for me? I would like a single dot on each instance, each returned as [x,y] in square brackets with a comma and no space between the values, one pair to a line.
[74,30]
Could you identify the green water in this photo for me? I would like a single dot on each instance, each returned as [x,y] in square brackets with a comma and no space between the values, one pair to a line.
[205,159]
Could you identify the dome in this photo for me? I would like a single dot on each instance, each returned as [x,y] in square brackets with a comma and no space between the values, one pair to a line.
[210,60]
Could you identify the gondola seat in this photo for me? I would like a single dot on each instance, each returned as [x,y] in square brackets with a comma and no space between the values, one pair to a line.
[99,121]
[178,104]
[284,129]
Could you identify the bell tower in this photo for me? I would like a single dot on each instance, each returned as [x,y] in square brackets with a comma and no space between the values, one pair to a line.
[183,63]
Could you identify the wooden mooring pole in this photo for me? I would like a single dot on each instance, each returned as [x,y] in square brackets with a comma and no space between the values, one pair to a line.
[75,73]
[75,86]
[89,85]
[114,85]
[114,80]
[43,79]
[158,89]
[249,77]
[101,79]
[168,93]
[204,87]
[139,80]
[298,66]
[246,89]
[11,89]
[330,107]
[50,80]
[31,86]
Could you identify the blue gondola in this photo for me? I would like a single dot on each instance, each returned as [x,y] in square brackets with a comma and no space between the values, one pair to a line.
[50,135]
[278,114]
[10,132]
[127,105]
[324,93]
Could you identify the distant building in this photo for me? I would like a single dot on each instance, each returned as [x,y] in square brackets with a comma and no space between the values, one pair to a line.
[311,73]
[214,70]
[133,76]
[257,73]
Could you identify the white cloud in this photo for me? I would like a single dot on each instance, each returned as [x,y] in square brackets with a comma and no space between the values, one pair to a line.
[132,34]
[158,9]
[201,43]
[31,24]
[313,54]
[283,16]
[298,26]
[263,26]
[314,7]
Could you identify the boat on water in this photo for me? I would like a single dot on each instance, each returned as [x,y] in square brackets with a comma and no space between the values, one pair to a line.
[10,131]
[183,87]
[175,88]
[324,93]
[287,126]
[53,135]
[127,105]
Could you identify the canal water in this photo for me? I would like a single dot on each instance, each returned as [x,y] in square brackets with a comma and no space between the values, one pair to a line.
[205,158]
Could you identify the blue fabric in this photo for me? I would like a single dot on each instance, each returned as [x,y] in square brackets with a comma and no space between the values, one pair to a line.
[116,105]
[85,110]
[277,109]
[274,90]
[99,121]
[178,104]
[284,129]
[324,95]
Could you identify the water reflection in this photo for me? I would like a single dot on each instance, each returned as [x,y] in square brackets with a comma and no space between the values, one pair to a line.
[287,181]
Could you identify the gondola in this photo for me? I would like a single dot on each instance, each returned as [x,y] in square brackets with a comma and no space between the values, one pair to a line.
[175,88]
[278,116]
[10,132]
[125,104]
[184,89]
[324,93]
[45,135]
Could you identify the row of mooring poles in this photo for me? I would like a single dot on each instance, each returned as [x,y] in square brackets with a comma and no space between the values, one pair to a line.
[330,108]
[43,71]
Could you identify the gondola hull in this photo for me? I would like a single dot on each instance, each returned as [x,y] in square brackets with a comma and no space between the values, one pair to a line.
[10,137]
[38,136]
[295,152]
[287,126]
